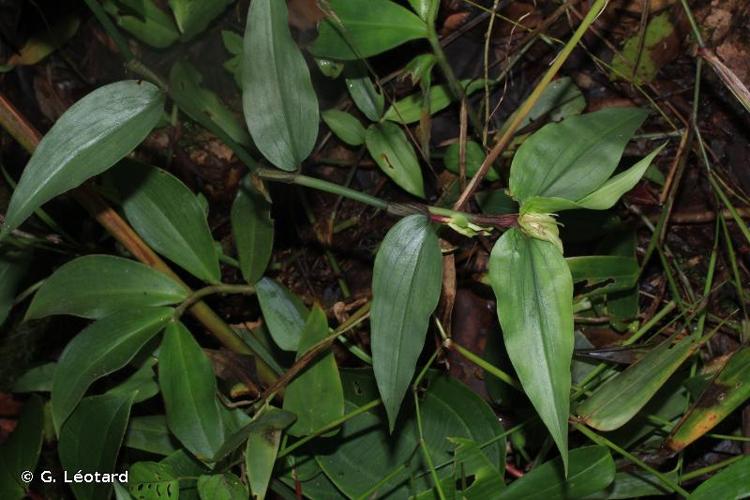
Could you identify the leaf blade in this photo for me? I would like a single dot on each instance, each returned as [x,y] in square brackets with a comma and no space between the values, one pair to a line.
[395,156]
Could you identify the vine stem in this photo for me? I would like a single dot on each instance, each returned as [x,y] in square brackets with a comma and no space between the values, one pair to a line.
[529,103]
[20,129]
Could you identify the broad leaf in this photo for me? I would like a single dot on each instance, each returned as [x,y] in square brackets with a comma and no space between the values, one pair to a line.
[193,16]
[534,291]
[276,419]
[364,453]
[188,386]
[90,137]
[613,272]
[474,158]
[395,156]
[142,383]
[90,441]
[283,312]
[150,434]
[262,448]
[620,398]
[406,284]
[409,109]
[102,348]
[315,395]
[344,126]
[37,379]
[225,486]
[572,158]
[590,469]
[168,216]
[732,482]
[362,28]
[280,105]
[144,20]
[20,451]
[252,228]
[95,286]
[726,392]
[203,105]
[153,481]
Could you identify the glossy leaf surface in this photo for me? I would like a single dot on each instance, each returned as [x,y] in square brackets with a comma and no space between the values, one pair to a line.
[407,279]
[534,291]
[280,105]
[95,286]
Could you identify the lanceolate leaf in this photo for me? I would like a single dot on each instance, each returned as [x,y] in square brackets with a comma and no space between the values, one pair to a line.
[725,393]
[345,126]
[193,16]
[262,448]
[151,434]
[409,109]
[102,348]
[144,20]
[90,441]
[169,217]
[281,109]
[189,388]
[95,286]
[615,273]
[364,28]
[91,136]
[534,291]
[395,156]
[407,279]
[315,395]
[20,451]
[591,469]
[283,312]
[620,398]
[252,227]
[572,158]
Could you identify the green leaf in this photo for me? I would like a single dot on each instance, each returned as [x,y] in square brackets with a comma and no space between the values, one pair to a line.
[726,392]
[225,486]
[168,216]
[203,105]
[362,28]
[315,395]
[262,448]
[100,349]
[37,379]
[144,20]
[252,228]
[395,156]
[406,284]
[142,383]
[278,418]
[732,482]
[363,92]
[188,386]
[572,158]
[48,40]
[153,481]
[20,451]
[344,126]
[534,291]
[427,9]
[590,469]
[193,16]
[635,483]
[559,100]
[409,109]
[474,158]
[620,398]
[90,441]
[283,312]
[613,272]
[95,286]
[644,49]
[90,137]
[232,42]
[150,434]
[364,453]
[280,105]
[13,269]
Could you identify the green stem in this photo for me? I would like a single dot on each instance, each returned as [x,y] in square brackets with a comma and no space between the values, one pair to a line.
[359,411]
[486,366]
[710,468]
[602,441]
[198,295]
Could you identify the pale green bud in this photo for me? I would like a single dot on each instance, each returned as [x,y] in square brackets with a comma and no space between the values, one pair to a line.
[542,227]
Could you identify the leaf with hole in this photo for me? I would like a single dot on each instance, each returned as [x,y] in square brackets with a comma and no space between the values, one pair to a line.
[406,284]
[104,347]
[278,99]
[534,291]
[96,286]
[153,481]
[91,136]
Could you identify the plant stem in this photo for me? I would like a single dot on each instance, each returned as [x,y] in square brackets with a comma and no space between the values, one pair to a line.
[602,441]
[710,468]
[526,107]
[211,290]
[480,362]
[359,411]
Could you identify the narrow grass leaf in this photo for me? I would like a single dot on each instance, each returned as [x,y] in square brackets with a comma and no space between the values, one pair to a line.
[407,279]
